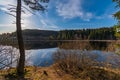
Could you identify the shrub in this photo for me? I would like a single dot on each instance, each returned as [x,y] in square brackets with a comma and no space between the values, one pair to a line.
[79,65]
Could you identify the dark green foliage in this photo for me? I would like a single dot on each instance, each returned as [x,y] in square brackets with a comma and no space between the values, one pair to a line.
[118,2]
[36,4]
[84,34]
[87,34]
[117,32]
[117,14]
[38,34]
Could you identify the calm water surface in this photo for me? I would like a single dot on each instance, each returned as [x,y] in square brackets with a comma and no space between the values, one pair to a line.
[37,55]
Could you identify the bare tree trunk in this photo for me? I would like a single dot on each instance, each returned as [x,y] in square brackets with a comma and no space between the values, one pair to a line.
[21,62]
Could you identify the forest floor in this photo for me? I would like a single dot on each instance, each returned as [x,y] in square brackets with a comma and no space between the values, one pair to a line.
[51,73]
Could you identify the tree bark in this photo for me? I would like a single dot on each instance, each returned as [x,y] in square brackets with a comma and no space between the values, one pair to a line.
[21,62]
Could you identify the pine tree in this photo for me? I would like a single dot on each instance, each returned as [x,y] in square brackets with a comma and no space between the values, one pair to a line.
[34,5]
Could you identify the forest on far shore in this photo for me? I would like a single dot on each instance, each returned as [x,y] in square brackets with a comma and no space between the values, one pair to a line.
[81,34]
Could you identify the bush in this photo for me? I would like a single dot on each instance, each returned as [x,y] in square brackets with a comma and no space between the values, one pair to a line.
[79,65]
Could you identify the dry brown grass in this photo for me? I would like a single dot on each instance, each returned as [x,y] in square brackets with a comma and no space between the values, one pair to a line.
[80,66]
[53,73]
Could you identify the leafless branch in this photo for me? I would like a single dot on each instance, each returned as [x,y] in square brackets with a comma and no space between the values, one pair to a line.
[14,22]
[23,11]
[28,10]
[10,14]
[11,8]
[12,5]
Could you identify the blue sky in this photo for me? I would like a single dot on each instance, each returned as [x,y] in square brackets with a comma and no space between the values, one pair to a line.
[62,14]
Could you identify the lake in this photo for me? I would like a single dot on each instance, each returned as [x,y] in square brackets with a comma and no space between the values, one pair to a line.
[40,53]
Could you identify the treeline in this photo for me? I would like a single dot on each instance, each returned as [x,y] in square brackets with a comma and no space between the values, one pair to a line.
[82,34]
[87,34]
[30,34]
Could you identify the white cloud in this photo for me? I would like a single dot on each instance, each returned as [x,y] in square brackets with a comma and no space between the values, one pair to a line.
[5,6]
[6,25]
[48,24]
[44,23]
[72,9]
[28,20]
[104,16]
[7,2]
[7,28]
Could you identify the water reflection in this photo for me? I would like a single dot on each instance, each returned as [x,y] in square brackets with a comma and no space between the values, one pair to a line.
[106,57]
[43,57]
[89,45]
[40,53]
[40,57]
